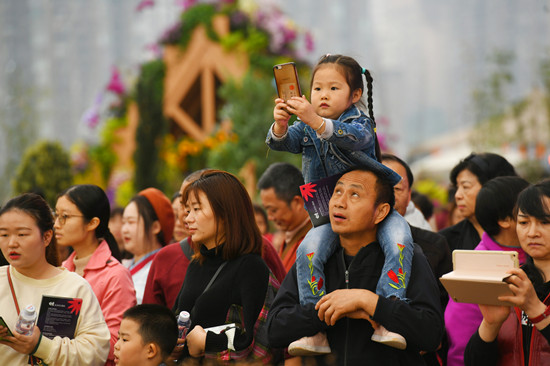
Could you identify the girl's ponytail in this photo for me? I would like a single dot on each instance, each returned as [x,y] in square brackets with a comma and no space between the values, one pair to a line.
[113,245]
[369,79]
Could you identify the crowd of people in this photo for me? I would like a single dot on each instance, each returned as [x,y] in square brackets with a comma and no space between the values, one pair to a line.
[361,289]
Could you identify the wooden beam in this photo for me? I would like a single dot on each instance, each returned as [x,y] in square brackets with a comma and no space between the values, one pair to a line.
[208,100]
[186,123]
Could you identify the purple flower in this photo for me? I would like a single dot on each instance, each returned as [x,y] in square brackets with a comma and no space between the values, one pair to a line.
[185,4]
[91,116]
[310,45]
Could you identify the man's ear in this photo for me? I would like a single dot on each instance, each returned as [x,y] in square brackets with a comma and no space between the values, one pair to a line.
[296,202]
[381,212]
[152,350]
[506,223]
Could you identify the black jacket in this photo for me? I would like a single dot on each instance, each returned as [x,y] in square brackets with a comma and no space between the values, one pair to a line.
[461,236]
[420,320]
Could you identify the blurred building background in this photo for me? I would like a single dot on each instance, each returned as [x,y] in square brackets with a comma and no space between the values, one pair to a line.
[427,58]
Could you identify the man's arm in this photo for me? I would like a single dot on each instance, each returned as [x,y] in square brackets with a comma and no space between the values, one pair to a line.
[287,320]
[352,303]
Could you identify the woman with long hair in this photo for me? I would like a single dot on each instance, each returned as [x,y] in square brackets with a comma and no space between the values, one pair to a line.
[227,270]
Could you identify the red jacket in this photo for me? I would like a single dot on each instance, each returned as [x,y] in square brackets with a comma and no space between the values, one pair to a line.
[166,275]
[510,343]
[112,285]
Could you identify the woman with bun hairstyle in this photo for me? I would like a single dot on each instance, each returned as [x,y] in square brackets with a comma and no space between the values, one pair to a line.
[28,243]
[82,222]
[147,226]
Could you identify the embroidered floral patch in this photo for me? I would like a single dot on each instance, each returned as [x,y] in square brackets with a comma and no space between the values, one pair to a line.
[398,279]
[314,284]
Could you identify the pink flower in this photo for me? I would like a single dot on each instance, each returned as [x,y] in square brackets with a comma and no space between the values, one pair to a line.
[115,84]
[145,4]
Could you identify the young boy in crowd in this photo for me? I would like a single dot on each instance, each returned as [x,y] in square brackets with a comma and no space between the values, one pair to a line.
[147,336]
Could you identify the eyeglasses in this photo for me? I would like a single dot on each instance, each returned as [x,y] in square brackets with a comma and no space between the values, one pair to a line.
[63,218]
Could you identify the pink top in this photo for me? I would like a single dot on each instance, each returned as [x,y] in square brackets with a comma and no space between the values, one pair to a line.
[463,319]
[112,285]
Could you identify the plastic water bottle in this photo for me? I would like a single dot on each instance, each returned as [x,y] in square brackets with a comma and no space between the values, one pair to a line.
[184,323]
[25,322]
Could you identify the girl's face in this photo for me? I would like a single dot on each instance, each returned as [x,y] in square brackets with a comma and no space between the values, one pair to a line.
[260,221]
[21,241]
[534,234]
[330,92]
[133,230]
[70,229]
[467,188]
[201,221]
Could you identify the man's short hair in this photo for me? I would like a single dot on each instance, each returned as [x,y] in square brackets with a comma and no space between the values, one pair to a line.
[284,178]
[496,201]
[384,187]
[157,324]
[391,157]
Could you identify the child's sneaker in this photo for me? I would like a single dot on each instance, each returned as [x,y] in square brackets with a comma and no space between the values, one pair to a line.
[310,346]
[384,336]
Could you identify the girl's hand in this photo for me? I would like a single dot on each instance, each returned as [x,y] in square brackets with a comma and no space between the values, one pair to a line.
[280,113]
[20,343]
[302,108]
[196,341]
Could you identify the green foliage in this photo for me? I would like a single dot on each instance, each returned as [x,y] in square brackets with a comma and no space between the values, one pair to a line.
[18,123]
[103,154]
[152,125]
[200,14]
[45,168]
[249,105]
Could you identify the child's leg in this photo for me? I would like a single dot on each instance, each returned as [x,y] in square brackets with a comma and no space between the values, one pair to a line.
[311,256]
[395,238]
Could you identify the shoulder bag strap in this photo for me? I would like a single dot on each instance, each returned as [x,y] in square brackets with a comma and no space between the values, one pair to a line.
[12,290]
[209,283]
[186,248]
[214,277]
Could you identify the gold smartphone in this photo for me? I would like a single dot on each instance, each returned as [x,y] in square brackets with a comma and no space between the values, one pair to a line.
[286,79]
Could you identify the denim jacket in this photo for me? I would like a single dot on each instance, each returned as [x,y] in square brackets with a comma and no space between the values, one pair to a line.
[351,143]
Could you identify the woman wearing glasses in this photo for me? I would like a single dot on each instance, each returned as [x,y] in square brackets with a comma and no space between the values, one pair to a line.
[81,221]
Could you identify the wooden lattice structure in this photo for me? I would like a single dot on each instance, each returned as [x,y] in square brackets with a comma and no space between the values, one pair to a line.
[192,78]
